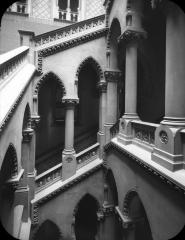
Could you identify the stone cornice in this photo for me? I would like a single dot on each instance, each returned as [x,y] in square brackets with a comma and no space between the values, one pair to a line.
[149,168]
[35,206]
[68,44]
[112,75]
[132,35]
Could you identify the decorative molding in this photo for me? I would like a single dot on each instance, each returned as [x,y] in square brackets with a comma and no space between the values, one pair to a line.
[70,101]
[69,30]
[108,210]
[112,75]
[129,196]
[125,221]
[151,170]
[68,44]
[35,218]
[46,76]
[94,63]
[132,35]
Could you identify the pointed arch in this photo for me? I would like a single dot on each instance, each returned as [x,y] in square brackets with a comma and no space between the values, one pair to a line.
[110,180]
[95,65]
[129,196]
[48,230]
[9,167]
[44,78]
[27,117]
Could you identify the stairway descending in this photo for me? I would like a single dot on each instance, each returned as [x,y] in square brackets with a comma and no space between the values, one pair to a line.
[65,34]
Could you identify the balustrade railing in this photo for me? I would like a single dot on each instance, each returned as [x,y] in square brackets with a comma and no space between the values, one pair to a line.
[87,155]
[114,130]
[67,15]
[48,177]
[69,30]
[144,132]
[62,14]
[11,61]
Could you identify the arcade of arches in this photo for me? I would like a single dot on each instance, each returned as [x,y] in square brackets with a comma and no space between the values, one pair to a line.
[96,152]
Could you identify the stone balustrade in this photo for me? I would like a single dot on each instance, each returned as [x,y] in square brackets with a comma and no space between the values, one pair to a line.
[48,177]
[144,132]
[87,155]
[11,61]
[68,31]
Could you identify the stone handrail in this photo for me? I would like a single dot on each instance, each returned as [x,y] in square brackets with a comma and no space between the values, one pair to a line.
[114,129]
[144,131]
[69,30]
[48,177]
[87,155]
[11,61]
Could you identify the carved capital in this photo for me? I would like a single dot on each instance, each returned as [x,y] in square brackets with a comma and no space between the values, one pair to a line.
[102,86]
[35,121]
[27,135]
[131,35]
[70,102]
[112,75]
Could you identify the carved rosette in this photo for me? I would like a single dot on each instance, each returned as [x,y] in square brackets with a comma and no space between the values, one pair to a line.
[163,137]
[35,121]
[130,36]
[112,75]
[102,86]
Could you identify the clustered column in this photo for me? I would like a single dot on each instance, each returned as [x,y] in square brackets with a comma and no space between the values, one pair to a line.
[68,155]
[130,38]
[102,85]
[112,77]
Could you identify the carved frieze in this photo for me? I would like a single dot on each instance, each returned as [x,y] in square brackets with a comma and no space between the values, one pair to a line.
[102,86]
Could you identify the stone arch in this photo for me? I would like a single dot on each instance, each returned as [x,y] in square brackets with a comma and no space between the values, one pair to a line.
[13,165]
[112,187]
[50,229]
[86,218]
[45,77]
[95,65]
[129,196]
[27,117]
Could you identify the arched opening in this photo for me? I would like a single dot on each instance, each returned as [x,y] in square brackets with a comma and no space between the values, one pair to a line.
[48,231]
[86,224]
[8,171]
[151,67]
[87,115]
[117,62]
[50,132]
[136,212]
[115,227]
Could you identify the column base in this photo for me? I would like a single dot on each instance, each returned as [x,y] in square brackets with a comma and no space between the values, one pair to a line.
[69,164]
[125,135]
[168,151]
[176,122]
[107,127]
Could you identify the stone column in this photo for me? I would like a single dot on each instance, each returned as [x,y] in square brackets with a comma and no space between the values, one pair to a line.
[68,156]
[130,38]
[68,15]
[55,9]
[168,143]
[102,85]
[112,77]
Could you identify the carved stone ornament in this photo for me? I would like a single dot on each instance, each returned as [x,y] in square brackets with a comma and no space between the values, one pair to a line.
[70,101]
[131,35]
[27,134]
[35,121]
[163,137]
[112,75]
[102,86]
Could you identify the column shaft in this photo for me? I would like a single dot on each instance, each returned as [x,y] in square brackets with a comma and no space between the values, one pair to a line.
[69,128]
[131,81]
[175,70]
